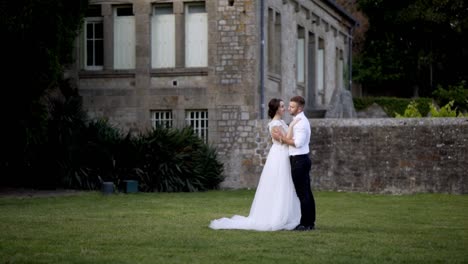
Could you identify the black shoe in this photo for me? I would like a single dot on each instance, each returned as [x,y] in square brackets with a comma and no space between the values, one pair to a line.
[300,228]
[304,228]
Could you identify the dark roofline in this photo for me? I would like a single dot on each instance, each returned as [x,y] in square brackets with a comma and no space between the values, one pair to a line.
[342,11]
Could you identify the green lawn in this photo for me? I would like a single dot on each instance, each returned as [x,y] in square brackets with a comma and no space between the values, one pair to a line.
[173,228]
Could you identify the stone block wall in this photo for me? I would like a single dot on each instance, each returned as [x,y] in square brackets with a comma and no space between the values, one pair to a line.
[243,147]
[384,155]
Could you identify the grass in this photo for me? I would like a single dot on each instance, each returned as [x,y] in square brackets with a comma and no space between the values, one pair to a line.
[173,228]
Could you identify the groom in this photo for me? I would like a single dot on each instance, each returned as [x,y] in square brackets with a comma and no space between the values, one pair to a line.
[300,162]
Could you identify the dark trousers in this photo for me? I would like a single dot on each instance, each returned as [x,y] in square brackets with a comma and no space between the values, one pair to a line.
[300,168]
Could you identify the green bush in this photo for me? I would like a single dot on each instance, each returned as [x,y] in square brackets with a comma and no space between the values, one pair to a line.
[410,111]
[163,160]
[173,160]
[361,103]
[78,154]
[393,105]
[446,111]
[457,93]
[72,152]
[90,156]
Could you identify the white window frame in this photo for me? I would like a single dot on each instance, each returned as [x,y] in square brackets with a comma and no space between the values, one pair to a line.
[300,55]
[163,34]
[198,120]
[196,35]
[339,69]
[94,21]
[161,118]
[124,40]
[321,70]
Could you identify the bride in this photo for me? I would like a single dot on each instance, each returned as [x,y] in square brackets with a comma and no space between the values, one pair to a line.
[275,205]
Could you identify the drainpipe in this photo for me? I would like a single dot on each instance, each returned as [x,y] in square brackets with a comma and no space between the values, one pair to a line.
[262,47]
[350,62]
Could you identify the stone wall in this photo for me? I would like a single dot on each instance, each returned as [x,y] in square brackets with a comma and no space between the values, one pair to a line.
[365,155]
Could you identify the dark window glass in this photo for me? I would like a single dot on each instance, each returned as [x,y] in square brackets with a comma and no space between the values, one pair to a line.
[89,53]
[89,30]
[99,56]
[124,11]
[98,33]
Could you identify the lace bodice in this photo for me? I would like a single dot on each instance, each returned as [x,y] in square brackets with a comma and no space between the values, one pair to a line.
[275,123]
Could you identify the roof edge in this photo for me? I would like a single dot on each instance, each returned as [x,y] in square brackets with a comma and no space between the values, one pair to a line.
[342,11]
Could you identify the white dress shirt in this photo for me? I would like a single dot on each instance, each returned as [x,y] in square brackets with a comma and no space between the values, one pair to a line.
[301,136]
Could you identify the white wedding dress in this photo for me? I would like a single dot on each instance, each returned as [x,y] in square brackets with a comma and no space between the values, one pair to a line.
[275,205]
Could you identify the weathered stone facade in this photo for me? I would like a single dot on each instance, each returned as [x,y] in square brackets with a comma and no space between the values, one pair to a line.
[235,85]
[374,155]
[369,155]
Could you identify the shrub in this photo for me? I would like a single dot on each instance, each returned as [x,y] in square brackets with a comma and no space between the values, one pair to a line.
[393,105]
[410,111]
[92,157]
[457,93]
[446,111]
[178,160]
[68,151]
[162,160]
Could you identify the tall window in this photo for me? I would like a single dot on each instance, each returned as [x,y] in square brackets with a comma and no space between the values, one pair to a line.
[198,120]
[196,35]
[161,118]
[339,72]
[163,37]
[321,70]
[311,67]
[274,41]
[94,39]
[300,60]
[124,37]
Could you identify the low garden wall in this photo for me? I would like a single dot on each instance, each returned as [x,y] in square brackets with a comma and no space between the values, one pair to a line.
[377,155]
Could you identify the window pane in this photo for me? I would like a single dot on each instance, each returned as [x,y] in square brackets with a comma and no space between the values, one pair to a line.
[163,37]
[300,60]
[124,42]
[89,30]
[124,11]
[196,36]
[194,9]
[163,10]
[99,52]
[98,30]
[161,118]
[89,53]
[198,120]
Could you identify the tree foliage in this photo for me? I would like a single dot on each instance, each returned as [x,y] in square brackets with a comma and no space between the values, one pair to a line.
[49,142]
[38,39]
[415,44]
[359,30]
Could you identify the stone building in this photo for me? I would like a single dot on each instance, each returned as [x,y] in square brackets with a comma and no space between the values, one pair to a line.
[213,65]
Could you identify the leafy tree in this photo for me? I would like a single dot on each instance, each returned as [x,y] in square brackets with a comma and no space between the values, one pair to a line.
[414,44]
[38,39]
[359,31]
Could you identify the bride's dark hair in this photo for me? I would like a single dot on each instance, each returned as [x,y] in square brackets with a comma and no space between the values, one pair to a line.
[273,106]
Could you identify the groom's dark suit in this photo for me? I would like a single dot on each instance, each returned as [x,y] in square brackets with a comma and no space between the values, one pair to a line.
[300,168]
